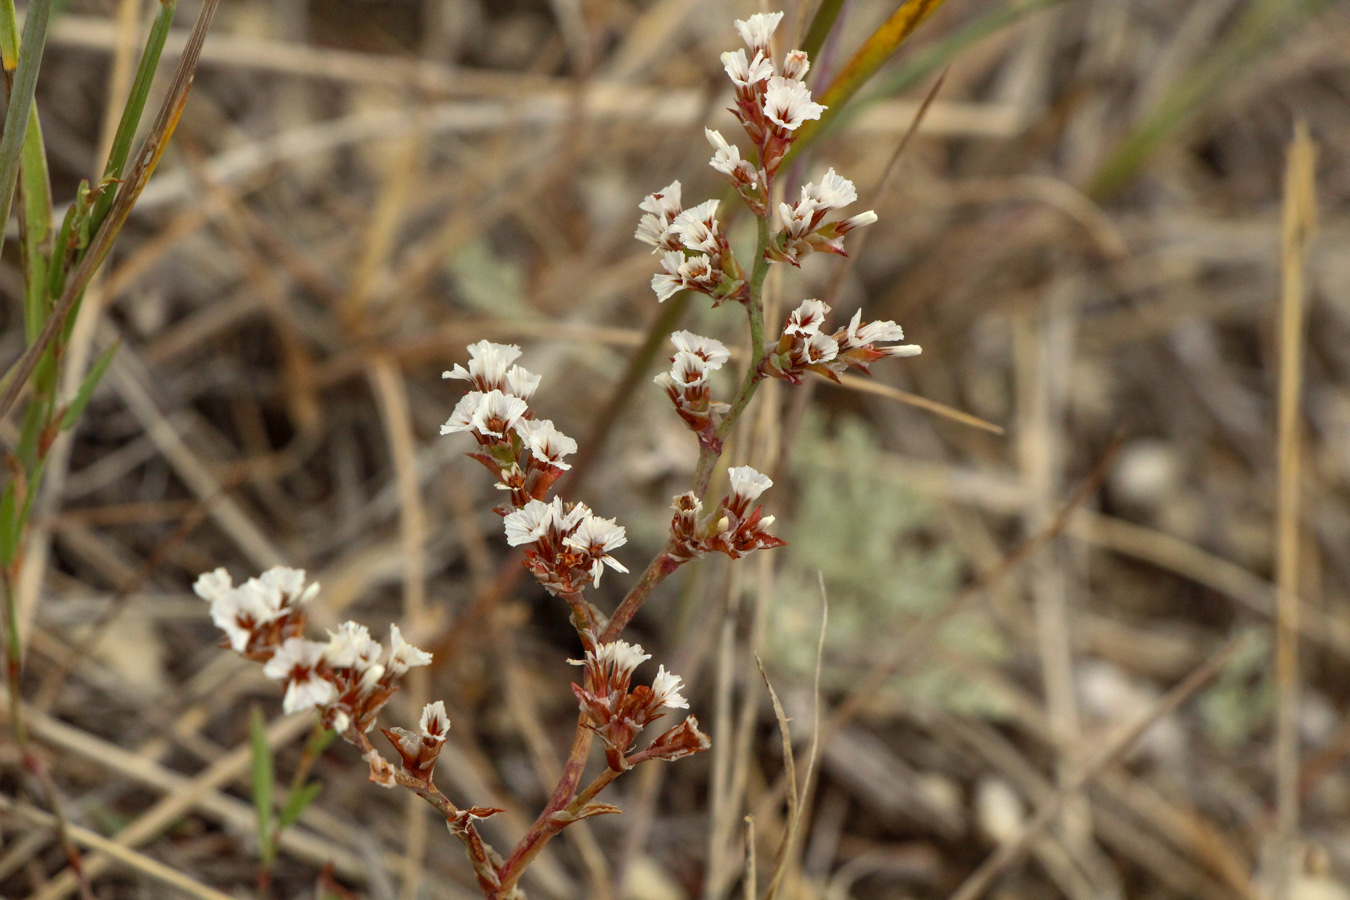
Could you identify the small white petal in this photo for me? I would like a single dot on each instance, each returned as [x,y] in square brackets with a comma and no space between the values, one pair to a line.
[403,655]
[748,483]
[435,723]
[666,688]
[211,586]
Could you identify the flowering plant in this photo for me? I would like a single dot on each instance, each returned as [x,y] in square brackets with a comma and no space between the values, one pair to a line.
[566,546]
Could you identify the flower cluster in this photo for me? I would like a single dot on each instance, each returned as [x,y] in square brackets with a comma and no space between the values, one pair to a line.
[772,101]
[348,679]
[733,529]
[687,385]
[804,226]
[566,545]
[526,454]
[803,347]
[695,254]
[260,614]
[617,712]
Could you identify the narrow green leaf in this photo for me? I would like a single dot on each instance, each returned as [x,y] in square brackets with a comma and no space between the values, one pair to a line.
[821,23]
[35,225]
[9,525]
[91,379]
[135,108]
[297,803]
[21,98]
[264,783]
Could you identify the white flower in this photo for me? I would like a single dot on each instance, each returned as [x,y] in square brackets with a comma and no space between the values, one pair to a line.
[617,657]
[290,583]
[797,219]
[665,203]
[497,413]
[711,351]
[757,30]
[351,647]
[796,65]
[212,586]
[666,690]
[597,536]
[727,160]
[807,318]
[697,227]
[546,442]
[747,484]
[243,610]
[462,417]
[521,382]
[529,523]
[882,330]
[688,370]
[697,271]
[820,348]
[487,365]
[745,72]
[435,723]
[403,655]
[295,662]
[788,103]
[833,192]
[666,284]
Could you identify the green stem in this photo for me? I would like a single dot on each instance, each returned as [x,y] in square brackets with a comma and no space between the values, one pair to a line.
[664,563]
[132,112]
[14,661]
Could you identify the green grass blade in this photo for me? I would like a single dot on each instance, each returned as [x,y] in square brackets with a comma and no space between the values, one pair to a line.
[821,23]
[135,108]
[29,60]
[36,228]
[87,387]
[264,779]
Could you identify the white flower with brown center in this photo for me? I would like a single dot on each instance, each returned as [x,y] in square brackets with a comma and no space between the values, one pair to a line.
[546,443]
[435,723]
[296,663]
[746,72]
[788,103]
[711,351]
[529,523]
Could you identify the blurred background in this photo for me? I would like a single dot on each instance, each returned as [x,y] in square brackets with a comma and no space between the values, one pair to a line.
[1085,237]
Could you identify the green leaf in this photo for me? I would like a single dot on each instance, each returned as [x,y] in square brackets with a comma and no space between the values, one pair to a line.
[821,23]
[135,108]
[21,93]
[320,741]
[91,380]
[297,803]
[9,524]
[264,778]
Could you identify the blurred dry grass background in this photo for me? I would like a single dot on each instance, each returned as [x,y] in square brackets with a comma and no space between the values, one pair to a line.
[1085,237]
